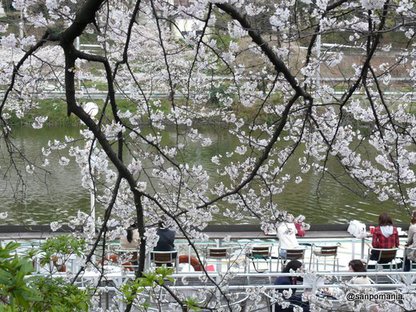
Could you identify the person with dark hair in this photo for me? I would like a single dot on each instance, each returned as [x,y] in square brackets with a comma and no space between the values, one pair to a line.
[411,243]
[131,241]
[166,238]
[385,235]
[358,266]
[291,266]
[132,238]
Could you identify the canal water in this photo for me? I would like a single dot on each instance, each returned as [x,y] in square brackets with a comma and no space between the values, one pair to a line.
[57,195]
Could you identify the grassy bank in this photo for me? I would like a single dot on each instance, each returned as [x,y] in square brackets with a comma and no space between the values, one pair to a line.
[56,110]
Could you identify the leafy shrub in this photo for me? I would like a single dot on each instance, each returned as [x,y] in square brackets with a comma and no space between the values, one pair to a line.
[20,291]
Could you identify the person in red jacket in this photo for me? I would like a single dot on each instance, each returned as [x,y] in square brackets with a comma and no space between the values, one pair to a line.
[385,235]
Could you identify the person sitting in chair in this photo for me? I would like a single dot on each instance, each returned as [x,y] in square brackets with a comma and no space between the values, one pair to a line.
[358,266]
[166,239]
[132,238]
[410,243]
[131,241]
[294,299]
[385,235]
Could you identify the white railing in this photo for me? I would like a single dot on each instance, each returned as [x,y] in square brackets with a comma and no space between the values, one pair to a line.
[315,284]
[350,248]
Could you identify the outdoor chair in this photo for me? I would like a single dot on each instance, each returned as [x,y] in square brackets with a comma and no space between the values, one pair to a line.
[164,258]
[217,255]
[325,253]
[293,254]
[257,255]
[217,252]
[386,259]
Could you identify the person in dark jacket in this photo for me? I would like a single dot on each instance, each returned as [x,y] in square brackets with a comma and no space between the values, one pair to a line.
[295,299]
[166,238]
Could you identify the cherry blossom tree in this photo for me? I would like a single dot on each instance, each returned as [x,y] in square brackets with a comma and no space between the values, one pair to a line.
[328,80]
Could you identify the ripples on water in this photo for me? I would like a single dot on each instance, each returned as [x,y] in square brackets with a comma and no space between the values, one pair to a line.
[58,196]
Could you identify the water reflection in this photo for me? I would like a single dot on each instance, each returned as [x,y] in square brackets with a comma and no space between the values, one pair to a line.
[57,195]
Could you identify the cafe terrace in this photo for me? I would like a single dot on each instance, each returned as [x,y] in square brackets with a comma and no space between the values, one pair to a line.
[248,259]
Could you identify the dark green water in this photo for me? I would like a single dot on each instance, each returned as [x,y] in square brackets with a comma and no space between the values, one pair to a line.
[57,195]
